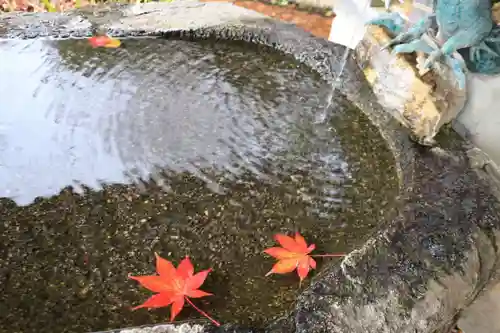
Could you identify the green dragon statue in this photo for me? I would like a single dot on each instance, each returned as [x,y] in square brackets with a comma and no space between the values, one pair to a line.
[466,36]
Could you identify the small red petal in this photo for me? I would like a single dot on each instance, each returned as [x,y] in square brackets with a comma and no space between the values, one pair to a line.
[98,41]
[280,253]
[288,243]
[185,270]
[197,280]
[312,263]
[153,282]
[310,248]
[104,41]
[300,241]
[164,267]
[157,301]
[113,43]
[176,308]
[303,268]
[197,294]
[284,266]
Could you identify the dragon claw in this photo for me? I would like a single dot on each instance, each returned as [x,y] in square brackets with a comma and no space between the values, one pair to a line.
[475,52]
[386,46]
[433,57]
[402,48]
[410,40]
[494,39]
[488,49]
[458,69]
[394,22]
[399,41]
[414,46]
[406,41]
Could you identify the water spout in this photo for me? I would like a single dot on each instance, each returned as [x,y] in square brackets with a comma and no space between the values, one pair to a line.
[347,29]
[349,26]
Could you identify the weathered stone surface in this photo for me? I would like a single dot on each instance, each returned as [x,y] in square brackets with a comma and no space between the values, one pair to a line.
[183,328]
[479,119]
[482,315]
[421,103]
[434,260]
[427,263]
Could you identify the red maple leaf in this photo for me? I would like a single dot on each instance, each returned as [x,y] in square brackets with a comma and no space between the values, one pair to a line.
[174,286]
[104,41]
[294,255]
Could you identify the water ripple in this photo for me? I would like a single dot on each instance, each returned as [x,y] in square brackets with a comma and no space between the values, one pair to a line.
[205,149]
[79,116]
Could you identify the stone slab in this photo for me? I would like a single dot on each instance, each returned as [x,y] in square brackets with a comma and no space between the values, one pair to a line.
[421,103]
[482,316]
[479,121]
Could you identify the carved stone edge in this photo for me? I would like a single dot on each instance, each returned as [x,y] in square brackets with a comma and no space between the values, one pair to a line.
[166,328]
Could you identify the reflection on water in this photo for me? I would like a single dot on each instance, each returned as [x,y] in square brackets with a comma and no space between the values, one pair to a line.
[102,118]
[216,148]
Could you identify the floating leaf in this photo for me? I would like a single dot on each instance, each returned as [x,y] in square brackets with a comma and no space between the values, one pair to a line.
[174,286]
[104,41]
[294,255]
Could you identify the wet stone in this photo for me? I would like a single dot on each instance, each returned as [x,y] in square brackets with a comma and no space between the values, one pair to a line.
[204,149]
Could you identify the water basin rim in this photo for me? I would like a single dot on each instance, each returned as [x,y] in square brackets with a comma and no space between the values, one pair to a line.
[415,166]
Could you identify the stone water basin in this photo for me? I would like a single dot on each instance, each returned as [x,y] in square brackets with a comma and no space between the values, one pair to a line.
[203,148]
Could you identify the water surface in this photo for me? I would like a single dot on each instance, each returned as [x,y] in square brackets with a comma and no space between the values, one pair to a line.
[204,149]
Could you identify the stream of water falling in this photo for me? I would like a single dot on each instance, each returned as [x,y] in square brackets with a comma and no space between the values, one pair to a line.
[323,116]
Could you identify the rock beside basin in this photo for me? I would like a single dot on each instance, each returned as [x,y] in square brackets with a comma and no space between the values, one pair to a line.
[429,260]
[422,103]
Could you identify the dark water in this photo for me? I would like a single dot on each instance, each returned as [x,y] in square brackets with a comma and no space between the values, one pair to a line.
[183,148]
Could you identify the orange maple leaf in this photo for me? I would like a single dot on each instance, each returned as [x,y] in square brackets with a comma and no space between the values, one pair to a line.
[104,41]
[174,286]
[294,255]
